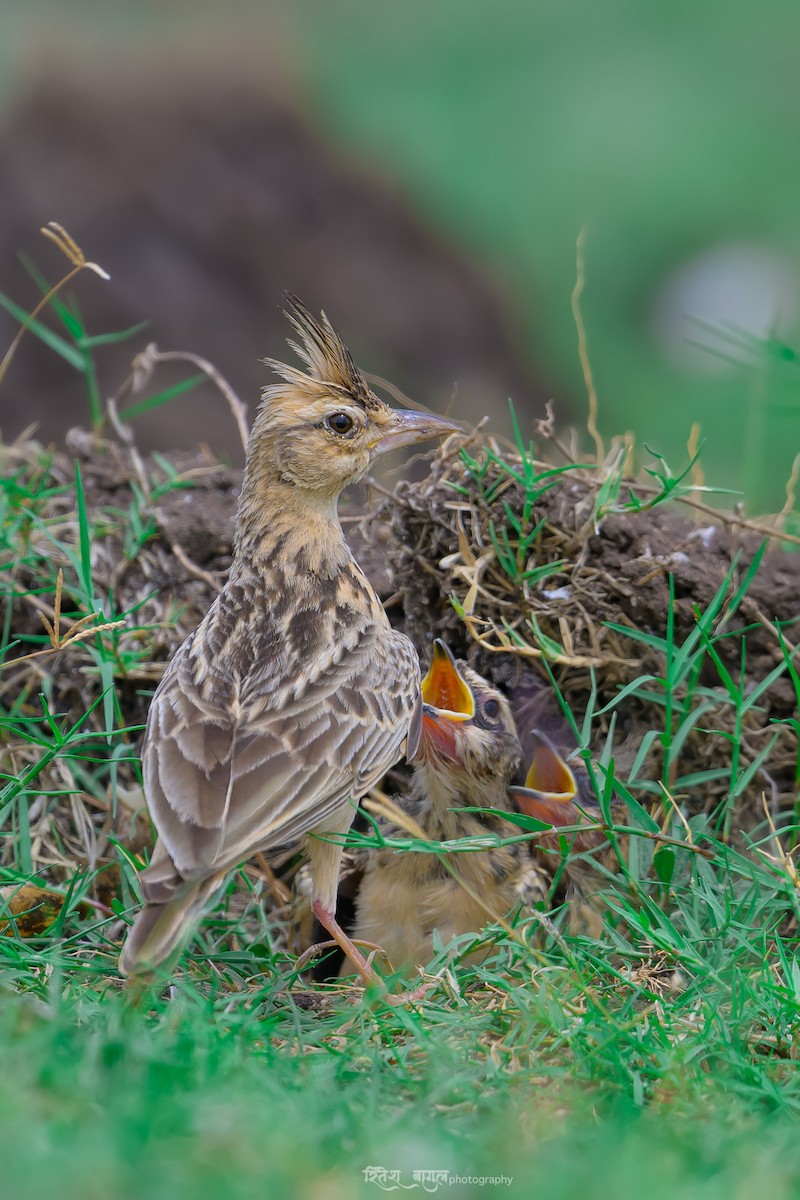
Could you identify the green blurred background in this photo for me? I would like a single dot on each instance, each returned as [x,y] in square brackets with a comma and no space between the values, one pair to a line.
[670,131]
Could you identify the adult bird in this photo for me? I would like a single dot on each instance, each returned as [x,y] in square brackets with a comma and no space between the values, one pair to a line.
[294,695]
[468,753]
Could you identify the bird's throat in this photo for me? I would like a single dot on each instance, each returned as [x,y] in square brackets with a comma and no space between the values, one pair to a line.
[280,524]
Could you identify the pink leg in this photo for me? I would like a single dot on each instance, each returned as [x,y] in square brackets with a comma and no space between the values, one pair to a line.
[327,918]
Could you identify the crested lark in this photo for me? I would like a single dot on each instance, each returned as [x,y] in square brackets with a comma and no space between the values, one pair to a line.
[294,695]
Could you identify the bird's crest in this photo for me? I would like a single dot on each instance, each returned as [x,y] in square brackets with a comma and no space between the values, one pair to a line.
[329,362]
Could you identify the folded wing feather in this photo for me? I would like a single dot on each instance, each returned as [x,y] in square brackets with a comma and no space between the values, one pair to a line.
[220,788]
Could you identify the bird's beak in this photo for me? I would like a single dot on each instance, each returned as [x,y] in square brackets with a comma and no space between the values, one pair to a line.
[444,687]
[409,427]
[447,701]
[550,786]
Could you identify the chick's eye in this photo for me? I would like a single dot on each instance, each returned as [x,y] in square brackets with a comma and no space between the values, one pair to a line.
[339,422]
[491,709]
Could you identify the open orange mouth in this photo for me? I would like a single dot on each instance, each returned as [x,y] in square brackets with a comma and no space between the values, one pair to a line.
[444,688]
[447,701]
[550,786]
[549,774]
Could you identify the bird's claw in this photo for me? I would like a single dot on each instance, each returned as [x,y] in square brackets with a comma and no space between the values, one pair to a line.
[413,996]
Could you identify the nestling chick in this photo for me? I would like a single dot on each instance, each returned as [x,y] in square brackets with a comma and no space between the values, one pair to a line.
[294,695]
[467,756]
[562,795]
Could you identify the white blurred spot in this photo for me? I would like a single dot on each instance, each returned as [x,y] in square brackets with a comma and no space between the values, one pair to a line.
[706,535]
[746,286]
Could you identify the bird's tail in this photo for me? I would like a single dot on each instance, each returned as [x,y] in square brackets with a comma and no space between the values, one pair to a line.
[172,905]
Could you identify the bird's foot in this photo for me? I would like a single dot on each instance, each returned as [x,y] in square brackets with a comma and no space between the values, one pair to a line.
[308,956]
[413,996]
[327,919]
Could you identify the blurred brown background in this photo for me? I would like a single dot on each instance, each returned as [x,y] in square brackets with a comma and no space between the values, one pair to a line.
[206,195]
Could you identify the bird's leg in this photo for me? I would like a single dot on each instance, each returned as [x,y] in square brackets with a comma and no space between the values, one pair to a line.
[325,858]
[327,919]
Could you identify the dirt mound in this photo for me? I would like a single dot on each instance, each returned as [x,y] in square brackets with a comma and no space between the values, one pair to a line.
[603,592]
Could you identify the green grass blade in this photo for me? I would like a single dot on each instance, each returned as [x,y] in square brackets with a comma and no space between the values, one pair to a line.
[112,339]
[146,406]
[70,320]
[85,544]
[62,347]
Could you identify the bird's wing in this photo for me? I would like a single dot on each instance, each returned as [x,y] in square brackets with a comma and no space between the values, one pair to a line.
[240,764]
[414,736]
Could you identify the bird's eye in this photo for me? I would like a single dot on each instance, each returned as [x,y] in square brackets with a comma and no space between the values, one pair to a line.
[340,422]
[491,709]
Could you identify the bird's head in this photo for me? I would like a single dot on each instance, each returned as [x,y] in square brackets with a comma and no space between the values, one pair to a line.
[557,792]
[322,427]
[468,730]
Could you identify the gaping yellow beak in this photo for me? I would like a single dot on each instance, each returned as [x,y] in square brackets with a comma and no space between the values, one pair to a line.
[447,701]
[445,689]
[549,774]
[550,786]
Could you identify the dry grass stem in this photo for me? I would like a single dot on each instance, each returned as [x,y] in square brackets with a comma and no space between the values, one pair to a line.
[583,353]
[69,247]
